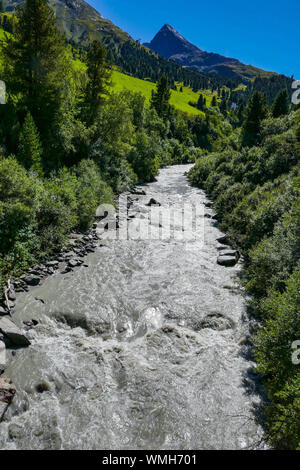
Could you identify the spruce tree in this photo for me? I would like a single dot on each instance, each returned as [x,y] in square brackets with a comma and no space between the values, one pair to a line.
[281,104]
[201,102]
[161,97]
[214,101]
[30,149]
[34,62]
[99,79]
[257,111]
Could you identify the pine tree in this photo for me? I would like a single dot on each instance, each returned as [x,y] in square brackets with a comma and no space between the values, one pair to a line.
[214,101]
[201,102]
[99,79]
[30,149]
[34,61]
[257,111]
[161,97]
[281,104]
[1,6]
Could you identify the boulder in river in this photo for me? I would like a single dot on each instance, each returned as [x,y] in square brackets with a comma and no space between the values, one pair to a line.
[12,332]
[32,280]
[228,259]
[224,240]
[153,202]
[7,392]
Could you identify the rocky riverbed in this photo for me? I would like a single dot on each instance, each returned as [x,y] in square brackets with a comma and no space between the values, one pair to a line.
[133,343]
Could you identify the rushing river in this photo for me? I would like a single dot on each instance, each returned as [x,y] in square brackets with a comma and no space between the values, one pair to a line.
[143,349]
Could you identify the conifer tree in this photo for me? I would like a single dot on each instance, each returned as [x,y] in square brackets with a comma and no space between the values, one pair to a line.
[34,61]
[214,101]
[281,104]
[99,79]
[1,6]
[201,102]
[161,97]
[30,149]
[257,111]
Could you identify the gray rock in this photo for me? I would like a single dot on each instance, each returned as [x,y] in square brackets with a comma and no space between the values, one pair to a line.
[73,263]
[3,311]
[52,264]
[11,294]
[32,280]
[153,202]
[224,240]
[216,321]
[227,260]
[12,332]
[2,355]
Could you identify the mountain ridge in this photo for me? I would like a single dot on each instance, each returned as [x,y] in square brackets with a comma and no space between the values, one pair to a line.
[169,43]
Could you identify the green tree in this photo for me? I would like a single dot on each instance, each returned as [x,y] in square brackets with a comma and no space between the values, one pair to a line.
[30,149]
[1,6]
[257,111]
[99,79]
[161,97]
[214,101]
[201,102]
[33,59]
[281,104]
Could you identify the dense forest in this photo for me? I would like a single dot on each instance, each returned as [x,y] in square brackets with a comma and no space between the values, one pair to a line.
[67,144]
[255,183]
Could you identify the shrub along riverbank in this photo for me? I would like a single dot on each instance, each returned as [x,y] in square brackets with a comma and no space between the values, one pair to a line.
[256,192]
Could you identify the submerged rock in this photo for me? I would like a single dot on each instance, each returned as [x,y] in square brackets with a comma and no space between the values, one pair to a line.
[12,332]
[216,321]
[153,202]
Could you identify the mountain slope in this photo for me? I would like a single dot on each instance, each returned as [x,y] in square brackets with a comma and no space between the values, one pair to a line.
[79,21]
[172,45]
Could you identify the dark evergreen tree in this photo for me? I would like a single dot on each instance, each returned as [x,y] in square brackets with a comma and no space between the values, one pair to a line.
[33,57]
[201,102]
[99,79]
[161,97]
[30,149]
[257,111]
[1,6]
[281,104]
[214,101]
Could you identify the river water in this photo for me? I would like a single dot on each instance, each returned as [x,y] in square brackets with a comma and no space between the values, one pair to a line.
[143,349]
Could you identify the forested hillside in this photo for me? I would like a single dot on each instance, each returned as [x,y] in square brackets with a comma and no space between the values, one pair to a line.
[255,183]
[70,139]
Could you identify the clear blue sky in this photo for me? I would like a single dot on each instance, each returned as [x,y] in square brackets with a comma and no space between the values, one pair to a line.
[263,33]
